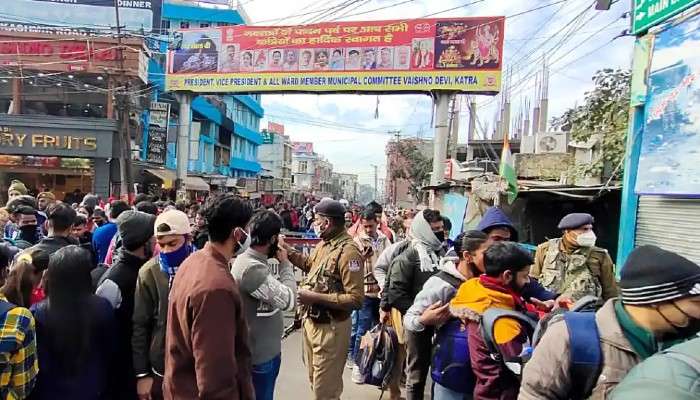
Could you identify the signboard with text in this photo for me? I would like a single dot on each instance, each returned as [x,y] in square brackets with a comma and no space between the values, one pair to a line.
[648,13]
[156,149]
[303,148]
[419,55]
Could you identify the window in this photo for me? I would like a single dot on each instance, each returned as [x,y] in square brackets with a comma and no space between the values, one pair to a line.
[165,26]
[303,167]
[204,25]
[184,25]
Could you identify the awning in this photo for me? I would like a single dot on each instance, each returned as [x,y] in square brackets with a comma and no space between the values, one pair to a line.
[168,176]
[196,183]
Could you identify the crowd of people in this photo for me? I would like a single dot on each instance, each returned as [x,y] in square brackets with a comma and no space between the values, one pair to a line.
[159,300]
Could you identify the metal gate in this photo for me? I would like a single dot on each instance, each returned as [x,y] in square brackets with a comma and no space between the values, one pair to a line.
[672,224]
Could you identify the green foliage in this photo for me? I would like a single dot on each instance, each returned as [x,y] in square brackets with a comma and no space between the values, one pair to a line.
[605,111]
[416,170]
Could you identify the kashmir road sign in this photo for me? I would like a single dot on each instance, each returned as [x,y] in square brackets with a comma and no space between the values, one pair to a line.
[648,13]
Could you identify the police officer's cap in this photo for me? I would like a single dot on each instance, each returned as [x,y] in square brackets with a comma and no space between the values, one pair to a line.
[330,208]
[575,220]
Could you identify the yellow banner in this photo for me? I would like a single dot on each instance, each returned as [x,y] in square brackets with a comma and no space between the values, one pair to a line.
[395,81]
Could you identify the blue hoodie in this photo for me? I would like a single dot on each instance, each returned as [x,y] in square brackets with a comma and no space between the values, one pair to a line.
[494,217]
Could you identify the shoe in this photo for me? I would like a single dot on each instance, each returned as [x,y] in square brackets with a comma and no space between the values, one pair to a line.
[350,363]
[356,376]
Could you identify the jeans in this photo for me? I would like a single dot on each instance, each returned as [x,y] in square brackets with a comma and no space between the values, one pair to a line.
[367,317]
[354,320]
[264,378]
[419,347]
[442,393]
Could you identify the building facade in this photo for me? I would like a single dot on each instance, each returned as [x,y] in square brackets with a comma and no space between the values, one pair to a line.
[275,157]
[345,186]
[397,189]
[311,173]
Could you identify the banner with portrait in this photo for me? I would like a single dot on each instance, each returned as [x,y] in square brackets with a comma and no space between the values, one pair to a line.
[460,54]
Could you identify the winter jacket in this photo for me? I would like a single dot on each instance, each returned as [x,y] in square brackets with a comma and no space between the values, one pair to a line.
[493,380]
[546,375]
[494,217]
[381,266]
[435,289]
[668,375]
[404,281]
[52,244]
[150,317]
[378,246]
[101,239]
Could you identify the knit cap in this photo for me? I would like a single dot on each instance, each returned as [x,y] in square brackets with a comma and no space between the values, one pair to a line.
[18,186]
[652,275]
[135,228]
[90,200]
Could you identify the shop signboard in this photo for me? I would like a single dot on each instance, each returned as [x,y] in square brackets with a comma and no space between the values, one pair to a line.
[410,56]
[275,128]
[648,13]
[78,17]
[156,149]
[303,148]
[668,162]
[267,136]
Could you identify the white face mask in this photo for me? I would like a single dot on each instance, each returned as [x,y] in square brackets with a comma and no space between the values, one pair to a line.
[586,239]
[242,247]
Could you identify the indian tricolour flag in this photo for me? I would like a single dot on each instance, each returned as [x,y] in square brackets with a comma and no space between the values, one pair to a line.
[507,170]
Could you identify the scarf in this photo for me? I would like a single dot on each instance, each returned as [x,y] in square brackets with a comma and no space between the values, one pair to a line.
[426,243]
[495,284]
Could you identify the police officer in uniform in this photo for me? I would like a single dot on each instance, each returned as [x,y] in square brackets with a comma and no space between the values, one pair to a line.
[331,290]
[572,265]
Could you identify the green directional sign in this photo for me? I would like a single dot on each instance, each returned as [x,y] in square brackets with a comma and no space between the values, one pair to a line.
[648,13]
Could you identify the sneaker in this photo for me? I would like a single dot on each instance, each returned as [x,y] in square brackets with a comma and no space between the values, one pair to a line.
[356,376]
[350,363]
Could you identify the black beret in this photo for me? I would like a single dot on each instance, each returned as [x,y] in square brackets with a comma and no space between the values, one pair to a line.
[575,220]
[652,275]
[330,208]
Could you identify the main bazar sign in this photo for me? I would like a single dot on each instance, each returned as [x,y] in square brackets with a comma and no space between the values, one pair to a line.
[648,13]
[460,54]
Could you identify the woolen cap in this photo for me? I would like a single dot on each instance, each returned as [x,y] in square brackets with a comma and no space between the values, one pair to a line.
[135,228]
[575,220]
[46,195]
[172,222]
[652,275]
[18,186]
[330,208]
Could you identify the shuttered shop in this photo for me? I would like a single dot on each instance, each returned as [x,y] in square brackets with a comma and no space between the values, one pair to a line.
[672,224]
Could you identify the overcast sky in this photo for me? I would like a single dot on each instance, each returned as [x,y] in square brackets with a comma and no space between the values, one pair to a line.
[343,127]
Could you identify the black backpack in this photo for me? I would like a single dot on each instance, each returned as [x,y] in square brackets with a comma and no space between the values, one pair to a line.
[377,355]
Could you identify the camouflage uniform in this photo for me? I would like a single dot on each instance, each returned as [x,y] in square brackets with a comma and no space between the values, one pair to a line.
[335,270]
[585,271]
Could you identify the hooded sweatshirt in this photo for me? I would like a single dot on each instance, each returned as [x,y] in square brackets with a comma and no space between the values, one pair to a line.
[435,289]
[494,217]
[473,298]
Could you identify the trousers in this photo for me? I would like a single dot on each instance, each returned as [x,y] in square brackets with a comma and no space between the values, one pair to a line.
[418,351]
[264,378]
[325,348]
[364,319]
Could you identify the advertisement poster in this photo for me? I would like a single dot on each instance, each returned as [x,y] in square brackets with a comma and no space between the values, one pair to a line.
[462,54]
[668,163]
[454,206]
[78,17]
[156,150]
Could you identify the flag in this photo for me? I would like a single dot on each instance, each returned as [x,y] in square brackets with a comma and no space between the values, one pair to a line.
[507,170]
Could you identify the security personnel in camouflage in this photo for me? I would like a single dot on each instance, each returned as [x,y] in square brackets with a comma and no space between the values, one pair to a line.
[332,288]
[571,265]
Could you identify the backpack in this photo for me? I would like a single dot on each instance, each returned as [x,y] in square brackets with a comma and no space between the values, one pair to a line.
[451,365]
[377,355]
[584,341]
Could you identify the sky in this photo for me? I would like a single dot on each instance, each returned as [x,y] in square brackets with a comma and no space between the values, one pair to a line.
[344,128]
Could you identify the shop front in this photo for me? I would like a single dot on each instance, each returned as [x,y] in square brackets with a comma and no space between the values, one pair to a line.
[59,154]
[661,193]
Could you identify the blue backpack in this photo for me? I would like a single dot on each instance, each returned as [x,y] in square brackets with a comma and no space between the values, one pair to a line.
[451,366]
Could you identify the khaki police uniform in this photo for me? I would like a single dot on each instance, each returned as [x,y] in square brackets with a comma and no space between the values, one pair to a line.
[335,269]
[585,271]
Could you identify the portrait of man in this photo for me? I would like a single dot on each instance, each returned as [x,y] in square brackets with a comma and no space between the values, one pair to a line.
[369,58]
[354,59]
[423,54]
[402,57]
[246,61]
[321,60]
[386,58]
[337,60]
[306,62]
[291,62]
[275,60]
[229,60]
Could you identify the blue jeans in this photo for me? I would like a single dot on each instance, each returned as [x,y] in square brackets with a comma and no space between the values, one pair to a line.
[264,378]
[442,393]
[355,320]
[367,317]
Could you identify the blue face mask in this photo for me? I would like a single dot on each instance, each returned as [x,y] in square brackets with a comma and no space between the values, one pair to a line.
[170,262]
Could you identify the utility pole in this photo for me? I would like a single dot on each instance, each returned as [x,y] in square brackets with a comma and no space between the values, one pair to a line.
[376,182]
[183,142]
[453,128]
[123,105]
[442,114]
[544,100]
[394,164]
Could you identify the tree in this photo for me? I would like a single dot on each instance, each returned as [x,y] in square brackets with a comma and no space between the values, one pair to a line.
[412,166]
[605,111]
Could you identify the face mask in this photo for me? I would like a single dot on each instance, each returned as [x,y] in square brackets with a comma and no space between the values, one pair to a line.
[170,262]
[242,247]
[681,332]
[440,235]
[28,233]
[586,239]
[318,230]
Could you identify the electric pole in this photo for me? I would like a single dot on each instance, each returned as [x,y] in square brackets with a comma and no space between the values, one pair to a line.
[376,182]
[394,164]
[123,105]
[442,114]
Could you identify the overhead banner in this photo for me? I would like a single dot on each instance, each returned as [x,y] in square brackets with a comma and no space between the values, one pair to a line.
[459,54]
[156,149]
